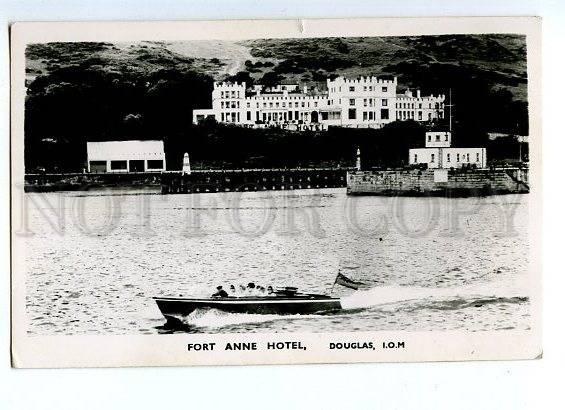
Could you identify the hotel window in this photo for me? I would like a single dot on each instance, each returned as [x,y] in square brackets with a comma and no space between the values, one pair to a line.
[437,138]
[364,102]
[284,105]
[370,115]
[352,114]
[370,88]
[277,104]
[248,105]
[303,103]
[433,158]
[385,89]
[429,138]
[415,158]
[364,88]
[233,94]
[364,115]
[248,115]
[384,114]
[222,104]
[351,88]
[478,157]
[420,105]
[222,94]
[352,101]
[457,157]
[419,115]
[315,103]
[448,158]
[223,117]
[370,102]
[446,137]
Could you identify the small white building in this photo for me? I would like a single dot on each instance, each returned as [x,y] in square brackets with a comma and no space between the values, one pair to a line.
[440,154]
[125,156]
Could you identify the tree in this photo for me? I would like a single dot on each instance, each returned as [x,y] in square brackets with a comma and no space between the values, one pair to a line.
[271,79]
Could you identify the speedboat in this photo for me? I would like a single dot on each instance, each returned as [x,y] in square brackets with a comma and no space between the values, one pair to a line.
[286,301]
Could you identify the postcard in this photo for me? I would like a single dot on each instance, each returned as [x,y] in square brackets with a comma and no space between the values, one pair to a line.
[275,191]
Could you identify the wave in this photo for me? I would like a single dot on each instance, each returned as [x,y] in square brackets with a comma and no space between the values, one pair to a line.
[502,291]
[213,318]
[381,300]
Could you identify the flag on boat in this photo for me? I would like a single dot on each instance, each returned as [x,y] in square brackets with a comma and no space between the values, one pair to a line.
[343,280]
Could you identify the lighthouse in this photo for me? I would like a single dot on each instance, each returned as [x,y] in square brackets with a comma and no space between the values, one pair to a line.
[186,165]
[358,162]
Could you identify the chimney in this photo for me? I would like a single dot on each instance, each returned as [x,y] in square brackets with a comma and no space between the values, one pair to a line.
[418,93]
[305,89]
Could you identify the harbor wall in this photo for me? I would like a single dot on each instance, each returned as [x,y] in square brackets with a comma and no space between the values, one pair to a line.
[172,182]
[253,180]
[451,182]
[52,182]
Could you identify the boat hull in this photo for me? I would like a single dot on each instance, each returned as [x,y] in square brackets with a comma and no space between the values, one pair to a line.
[173,308]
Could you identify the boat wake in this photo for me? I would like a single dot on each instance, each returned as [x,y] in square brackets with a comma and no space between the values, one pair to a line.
[214,318]
[377,302]
[503,291]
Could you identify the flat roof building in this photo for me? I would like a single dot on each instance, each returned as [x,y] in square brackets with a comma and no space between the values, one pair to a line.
[125,156]
[439,153]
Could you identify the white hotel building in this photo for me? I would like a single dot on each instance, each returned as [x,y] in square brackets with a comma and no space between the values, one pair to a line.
[366,102]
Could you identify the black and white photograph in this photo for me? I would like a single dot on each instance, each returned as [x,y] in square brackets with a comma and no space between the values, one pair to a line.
[231,193]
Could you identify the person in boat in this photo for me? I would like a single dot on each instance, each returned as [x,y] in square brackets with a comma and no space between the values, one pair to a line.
[221,293]
[250,290]
[270,291]
[232,289]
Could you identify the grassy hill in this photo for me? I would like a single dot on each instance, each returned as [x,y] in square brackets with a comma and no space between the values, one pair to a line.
[499,59]
[123,59]
[78,92]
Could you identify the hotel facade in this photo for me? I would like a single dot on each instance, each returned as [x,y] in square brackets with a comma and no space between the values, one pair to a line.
[366,102]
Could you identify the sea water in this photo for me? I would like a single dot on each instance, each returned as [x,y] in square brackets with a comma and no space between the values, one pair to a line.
[94,259]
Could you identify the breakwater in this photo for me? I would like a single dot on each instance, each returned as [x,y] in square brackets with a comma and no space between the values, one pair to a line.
[210,180]
[433,182]
[252,180]
[51,182]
